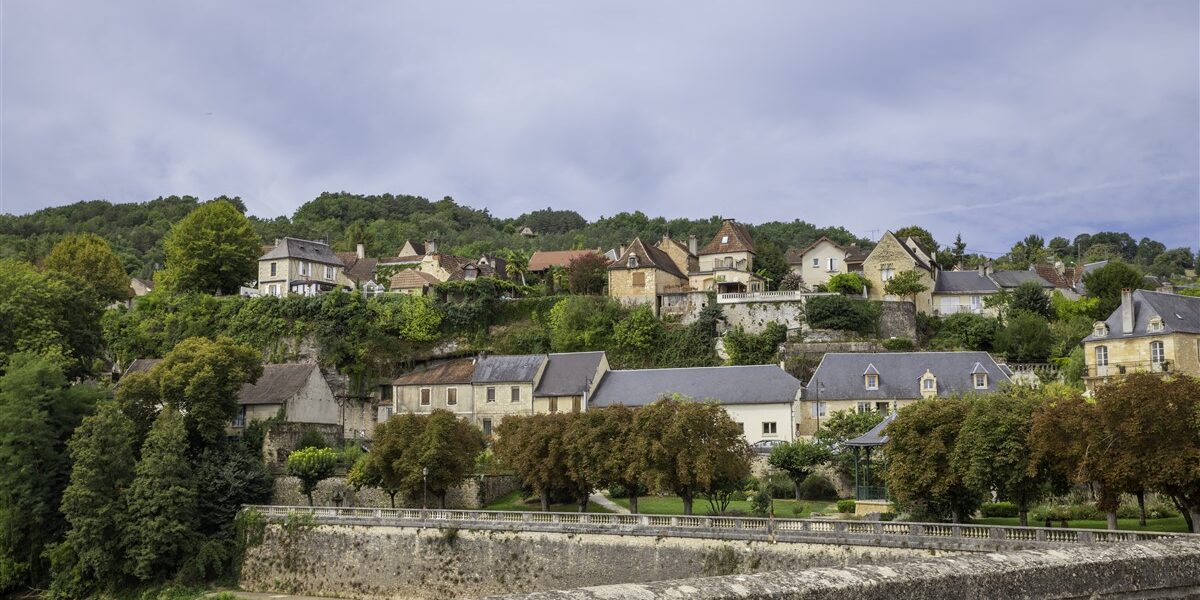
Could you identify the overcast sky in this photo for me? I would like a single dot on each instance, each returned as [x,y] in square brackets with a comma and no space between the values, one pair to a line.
[1047,117]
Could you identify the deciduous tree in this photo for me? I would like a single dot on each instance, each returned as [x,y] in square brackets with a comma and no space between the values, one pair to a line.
[90,258]
[601,448]
[311,466]
[587,274]
[1105,284]
[907,284]
[798,458]
[993,450]
[1030,297]
[448,449]
[52,313]
[1026,337]
[214,249]
[921,471]
[534,447]
[203,377]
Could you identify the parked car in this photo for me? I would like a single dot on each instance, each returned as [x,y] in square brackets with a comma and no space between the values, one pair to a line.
[766,446]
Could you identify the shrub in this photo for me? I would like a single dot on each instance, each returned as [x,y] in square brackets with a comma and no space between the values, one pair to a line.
[846,505]
[779,485]
[887,517]
[620,491]
[760,504]
[898,345]
[738,496]
[998,509]
[311,438]
[843,313]
[799,510]
[817,487]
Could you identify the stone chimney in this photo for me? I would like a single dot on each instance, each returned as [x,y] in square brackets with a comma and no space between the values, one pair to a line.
[431,247]
[1166,288]
[1127,311]
[693,245]
[621,250]
[361,250]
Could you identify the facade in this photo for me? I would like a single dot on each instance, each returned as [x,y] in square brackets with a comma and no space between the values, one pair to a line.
[567,380]
[503,386]
[762,398]
[304,267]
[446,386]
[642,273]
[891,256]
[963,291]
[726,263]
[1150,331]
[886,381]
[685,256]
[818,262]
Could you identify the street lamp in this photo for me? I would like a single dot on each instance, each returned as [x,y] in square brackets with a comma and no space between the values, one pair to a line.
[424,487]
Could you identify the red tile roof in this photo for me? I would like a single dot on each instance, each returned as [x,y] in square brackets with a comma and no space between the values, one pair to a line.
[737,239]
[544,259]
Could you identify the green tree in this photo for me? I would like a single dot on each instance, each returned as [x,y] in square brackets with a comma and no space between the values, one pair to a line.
[1105,284]
[516,265]
[410,318]
[1025,338]
[921,471]
[770,263]
[52,313]
[587,274]
[966,331]
[203,377]
[920,234]
[755,349]
[993,450]
[583,323]
[798,459]
[1030,297]
[214,249]
[959,251]
[638,336]
[841,426]
[907,284]
[90,258]
[850,284]
[534,447]
[311,466]
[160,532]
[390,464]
[601,448]
[1172,263]
[448,449]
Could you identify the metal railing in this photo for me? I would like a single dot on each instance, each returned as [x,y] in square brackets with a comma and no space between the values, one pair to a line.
[1126,367]
[874,533]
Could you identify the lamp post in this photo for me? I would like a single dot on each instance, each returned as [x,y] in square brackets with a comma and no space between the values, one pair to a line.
[424,487]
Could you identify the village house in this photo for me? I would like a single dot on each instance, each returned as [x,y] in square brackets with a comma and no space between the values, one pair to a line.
[542,260]
[446,386]
[965,291]
[568,379]
[818,262]
[726,263]
[887,381]
[304,267]
[685,256]
[358,271]
[892,256]
[761,398]
[1150,331]
[642,274]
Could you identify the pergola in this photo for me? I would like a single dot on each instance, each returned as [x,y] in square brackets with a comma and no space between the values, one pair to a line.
[863,488]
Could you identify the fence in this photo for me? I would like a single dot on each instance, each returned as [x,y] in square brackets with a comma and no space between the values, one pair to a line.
[777,296]
[873,533]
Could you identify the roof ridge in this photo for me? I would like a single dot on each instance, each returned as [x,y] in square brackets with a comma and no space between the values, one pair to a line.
[692,368]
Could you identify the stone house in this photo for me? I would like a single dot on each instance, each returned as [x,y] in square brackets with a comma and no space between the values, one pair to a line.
[685,256]
[446,386]
[965,291]
[886,381]
[763,399]
[504,385]
[818,262]
[642,273]
[726,263]
[1150,331]
[567,380]
[294,266]
[891,256]
[358,271]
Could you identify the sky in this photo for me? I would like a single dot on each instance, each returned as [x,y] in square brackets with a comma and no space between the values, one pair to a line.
[991,119]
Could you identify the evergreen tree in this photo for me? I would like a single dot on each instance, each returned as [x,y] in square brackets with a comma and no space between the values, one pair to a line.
[161,530]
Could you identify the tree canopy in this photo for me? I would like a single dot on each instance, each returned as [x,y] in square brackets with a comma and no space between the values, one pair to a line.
[214,249]
[88,257]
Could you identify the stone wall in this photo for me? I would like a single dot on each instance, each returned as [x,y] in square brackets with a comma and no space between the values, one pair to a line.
[387,562]
[282,438]
[754,317]
[1133,570]
[898,319]
[476,492]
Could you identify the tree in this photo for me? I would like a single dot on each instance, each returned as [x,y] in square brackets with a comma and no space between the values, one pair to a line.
[90,258]
[601,448]
[389,464]
[580,323]
[516,265]
[448,449]
[791,282]
[203,377]
[1030,297]
[959,250]
[214,249]
[993,449]
[1105,284]
[311,466]
[1066,435]
[1148,250]
[798,459]
[690,447]
[639,335]
[851,284]
[770,263]
[51,313]
[410,318]
[841,426]
[161,528]
[920,234]
[907,284]
[587,274]
[1025,338]
[1172,262]
[755,349]
[1060,247]
[966,331]
[921,471]
[534,448]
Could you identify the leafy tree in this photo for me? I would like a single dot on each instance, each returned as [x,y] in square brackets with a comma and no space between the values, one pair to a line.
[1030,297]
[907,284]
[549,220]
[138,396]
[213,250]
[841,426]
[52,313]
[90,258]
[203,377]
[842,313]
[1105,284]
[1122,244]
[798,459]
[770,263]
[583,323]
[311,466]
[601,448]
[755,349]
[410,318]
[389,464]
[534,448]
[448,449]
[1065,308]
[920,234]
[851,284]
[1148,250]
[966,331]
[1060,247]
[921,471]
[690,447]
[160,532]
[1101,252]
[638,336]
[516,265]
[587,274]
[227,477]
[993,449]
[1172,262]
[959,251]
[1025,338]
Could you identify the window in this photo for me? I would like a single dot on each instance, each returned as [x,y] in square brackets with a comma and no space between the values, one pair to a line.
[882,406]
[769,428]
[728,262]
[724,239]
[639,280]
[864,407]
[425,393]
[304,268]
[633,261]
[816,263]
[387,412]
[328,272]
[976,303]
[240,419]
[451,396]
[872,381]
[487,427]
[832,263]
[273,267]
[575,404]
[1157,354]
[886,272]
[554,405]
[273,289]
[980,381]
[1101,356]
[515,392]
[928,384]
[1155,325]
[491,394]
[1100,330]
[818,409]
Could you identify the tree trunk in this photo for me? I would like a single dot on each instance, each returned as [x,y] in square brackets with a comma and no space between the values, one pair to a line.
[442,500]
[1023,512]
[1187,514]
[310,500]
[633,502]
[687,504]
[1141,498]
[1112,519]
[546,501]
[1194,520]
[797,482]
[956,515]
[393,495]
[583,503]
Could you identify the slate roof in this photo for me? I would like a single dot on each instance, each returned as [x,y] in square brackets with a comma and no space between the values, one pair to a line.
[839,376]
[748,384]
[568,373]
[875,436]
[544,259]
[318,252]
[277,384]
[408,279]
[739,239]
[1012,279]
[455,371]
[495,369]
[951,282]
[1180,314]
[357,269]
[648,256]
[141,365]
[855,254]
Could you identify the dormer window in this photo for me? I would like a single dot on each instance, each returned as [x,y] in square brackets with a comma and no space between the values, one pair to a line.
[980,381]
[724,239]
[1156,324]
[928,385]
[872,382]
[1100,329]
[633,262]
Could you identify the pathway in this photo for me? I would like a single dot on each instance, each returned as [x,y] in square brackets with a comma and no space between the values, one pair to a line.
[603,500]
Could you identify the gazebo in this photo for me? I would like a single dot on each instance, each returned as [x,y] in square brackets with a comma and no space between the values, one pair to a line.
[868,495]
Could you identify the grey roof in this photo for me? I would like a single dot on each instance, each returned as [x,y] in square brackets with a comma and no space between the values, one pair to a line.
[277,384]
[1180,314]
[749,384]
[569,374]
[493,369]
[303,249]
[964,282]
[1012,279]
[875,436]
[979,368]
[141,365]
[839,376]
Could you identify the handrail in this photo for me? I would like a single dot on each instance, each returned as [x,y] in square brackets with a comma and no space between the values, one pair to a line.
[717,527]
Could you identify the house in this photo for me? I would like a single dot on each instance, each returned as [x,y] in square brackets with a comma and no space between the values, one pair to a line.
[295,266]
[568,379]
[358,270]
[886,381]
[1150,331]
[527,231]
[891,256]
[855,256]
[761,398]
[685,256]
[488,265]
[1066,280]
[964,291]
[818,262]
[726,263]
[542,260]
[642,273]
[412,282]
[503,385]
[446,386]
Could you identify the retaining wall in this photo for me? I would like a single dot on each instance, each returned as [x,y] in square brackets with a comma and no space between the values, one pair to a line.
[476,492]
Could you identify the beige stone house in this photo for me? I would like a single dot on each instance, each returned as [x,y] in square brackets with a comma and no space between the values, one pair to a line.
[567,380]
[818,262]
[891,256]
[1150,331]
[294,266]
[446,386]
[685,256]
[726,263]
[642,273]
[358,271]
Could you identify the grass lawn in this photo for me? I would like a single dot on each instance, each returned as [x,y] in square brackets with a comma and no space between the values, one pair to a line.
[1174,524]
[517,502]
[672,505]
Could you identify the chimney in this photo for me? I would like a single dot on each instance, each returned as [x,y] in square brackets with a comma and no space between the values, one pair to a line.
[1127,311]
[361,250]
[278,241]
[430,247]
[693,246]
[987,267]
[621,250]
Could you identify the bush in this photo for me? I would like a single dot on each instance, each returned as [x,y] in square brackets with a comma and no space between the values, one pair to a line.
[780,485]
[817,487]
[843,313]
[760,504]
[311,438]
[799,510]
[620,491]
[887,517]
[846,506]
[898,345]
[998,509]
[738,496]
